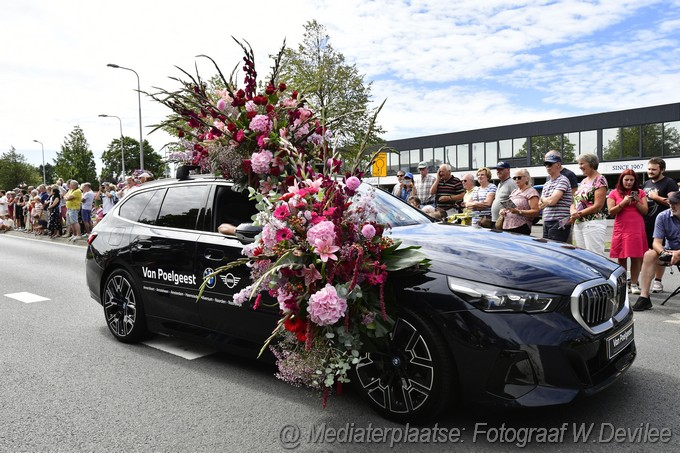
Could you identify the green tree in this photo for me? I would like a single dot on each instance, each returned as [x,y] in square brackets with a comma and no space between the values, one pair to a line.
[16,172]
[334,89]
[75,160]
[50,175]
[111,158]
[540,145]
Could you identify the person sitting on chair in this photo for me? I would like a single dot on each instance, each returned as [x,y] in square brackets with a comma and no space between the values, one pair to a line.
[666,227]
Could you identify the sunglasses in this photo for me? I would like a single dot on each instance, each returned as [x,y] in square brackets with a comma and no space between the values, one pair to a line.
[400,176]
[517,177]
[548,164]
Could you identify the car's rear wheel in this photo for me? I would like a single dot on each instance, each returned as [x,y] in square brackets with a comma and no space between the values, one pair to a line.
[123,307]
[411,378]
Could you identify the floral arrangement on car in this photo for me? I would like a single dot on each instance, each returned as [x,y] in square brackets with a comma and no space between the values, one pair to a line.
[322,254]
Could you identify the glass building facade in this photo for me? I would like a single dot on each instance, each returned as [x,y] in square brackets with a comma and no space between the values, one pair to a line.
[621,139]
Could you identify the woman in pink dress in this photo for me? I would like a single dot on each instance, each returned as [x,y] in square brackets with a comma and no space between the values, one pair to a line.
[629,204]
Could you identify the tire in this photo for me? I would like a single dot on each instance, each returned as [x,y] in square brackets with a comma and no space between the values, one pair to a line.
[412,378]
[123,308]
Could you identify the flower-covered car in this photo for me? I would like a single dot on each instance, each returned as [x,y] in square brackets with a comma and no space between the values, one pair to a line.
[495,317]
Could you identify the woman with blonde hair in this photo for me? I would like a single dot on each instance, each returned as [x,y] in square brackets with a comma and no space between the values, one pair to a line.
[520,217]
[482,197]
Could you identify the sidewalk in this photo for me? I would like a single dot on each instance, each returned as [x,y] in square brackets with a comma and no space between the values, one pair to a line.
[30,235]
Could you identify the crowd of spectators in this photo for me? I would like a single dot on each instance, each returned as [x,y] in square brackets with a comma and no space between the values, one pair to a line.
[64,209]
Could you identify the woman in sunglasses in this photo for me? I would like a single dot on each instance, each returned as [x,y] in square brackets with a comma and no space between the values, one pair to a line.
[519,218]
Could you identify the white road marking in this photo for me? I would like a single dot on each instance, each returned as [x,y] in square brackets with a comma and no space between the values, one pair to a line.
[181,348]
[26,298]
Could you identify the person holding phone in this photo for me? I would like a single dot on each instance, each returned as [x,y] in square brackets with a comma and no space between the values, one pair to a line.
[629,241]
[408,190]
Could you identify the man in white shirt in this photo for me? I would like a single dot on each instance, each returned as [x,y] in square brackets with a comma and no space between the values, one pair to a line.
[4,211]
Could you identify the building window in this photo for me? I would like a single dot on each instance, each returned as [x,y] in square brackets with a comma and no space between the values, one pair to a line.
[588,142]
[428,156]
[652,140]
[413,160]
[392,163]
[490,153]
[450,156]
[477,155]
[630,141]
[611,144]
[505,149]
[463,156]
[437,160]
[571,140]
[671,139]
[541,144]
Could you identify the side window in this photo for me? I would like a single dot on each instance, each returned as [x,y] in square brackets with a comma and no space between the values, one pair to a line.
[181,207]
[134,204]
[232,207]
[150,213]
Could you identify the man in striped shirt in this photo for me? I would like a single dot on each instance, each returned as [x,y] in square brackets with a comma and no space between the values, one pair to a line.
[555,201]
[448,190]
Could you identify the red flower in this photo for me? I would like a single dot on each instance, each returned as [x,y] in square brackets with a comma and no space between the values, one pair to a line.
[270,89]
[282,86]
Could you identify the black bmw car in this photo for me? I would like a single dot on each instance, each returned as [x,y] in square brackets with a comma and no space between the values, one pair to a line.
[498,318]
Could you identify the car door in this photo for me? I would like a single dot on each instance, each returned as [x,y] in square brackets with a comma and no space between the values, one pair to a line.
[163,250]
[215,250]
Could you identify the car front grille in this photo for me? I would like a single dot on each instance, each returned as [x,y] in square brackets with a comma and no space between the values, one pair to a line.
[598,304]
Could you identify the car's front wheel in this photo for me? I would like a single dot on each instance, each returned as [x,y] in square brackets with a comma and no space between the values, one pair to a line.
[411,378]
[123,307]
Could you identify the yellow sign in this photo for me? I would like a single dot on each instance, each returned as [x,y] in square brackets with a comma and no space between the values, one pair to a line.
[379,165]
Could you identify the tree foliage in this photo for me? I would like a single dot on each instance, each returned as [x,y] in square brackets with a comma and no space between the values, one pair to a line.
[542,144]
[111,158]
[333,88]
[16,172]
[656,140]
[75,160]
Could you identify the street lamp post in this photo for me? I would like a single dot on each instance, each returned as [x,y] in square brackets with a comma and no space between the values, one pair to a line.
[122,151]
[139,101]
[43,159]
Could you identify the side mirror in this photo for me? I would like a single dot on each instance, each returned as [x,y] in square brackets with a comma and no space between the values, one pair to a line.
[246,232]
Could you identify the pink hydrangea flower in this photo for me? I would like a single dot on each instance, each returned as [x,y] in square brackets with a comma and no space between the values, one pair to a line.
[325,307]
[323,231]
[260,161]
[260,123]
[353,183]
[368,231]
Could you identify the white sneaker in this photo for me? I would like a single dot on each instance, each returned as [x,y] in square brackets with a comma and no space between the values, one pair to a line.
[634,289]
[657,287]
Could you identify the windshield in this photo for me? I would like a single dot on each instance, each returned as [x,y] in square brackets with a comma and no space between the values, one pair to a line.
[393,211]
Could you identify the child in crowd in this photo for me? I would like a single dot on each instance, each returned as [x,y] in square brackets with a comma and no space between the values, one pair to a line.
[36,213]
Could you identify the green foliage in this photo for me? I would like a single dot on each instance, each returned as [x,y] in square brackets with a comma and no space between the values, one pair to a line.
[75,160]
[111,158]
[334,89]
[15,171]
[540,145]
[656,140]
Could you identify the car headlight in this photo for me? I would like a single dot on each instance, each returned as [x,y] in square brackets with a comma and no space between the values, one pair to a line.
[497,299]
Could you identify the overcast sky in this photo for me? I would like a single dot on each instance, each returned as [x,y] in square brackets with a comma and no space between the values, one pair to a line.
[442,65]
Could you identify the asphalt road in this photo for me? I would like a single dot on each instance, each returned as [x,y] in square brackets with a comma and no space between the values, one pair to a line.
[67,385]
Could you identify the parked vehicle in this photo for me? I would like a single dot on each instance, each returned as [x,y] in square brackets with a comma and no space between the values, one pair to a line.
[498,318]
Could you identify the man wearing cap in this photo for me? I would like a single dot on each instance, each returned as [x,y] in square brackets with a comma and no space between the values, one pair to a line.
[503,189]
[571,176]
[447,190]
[666,227]
[555,201]
[424,184]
